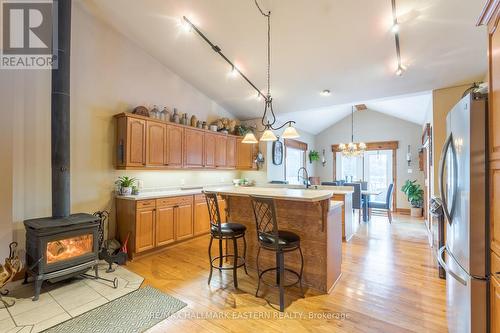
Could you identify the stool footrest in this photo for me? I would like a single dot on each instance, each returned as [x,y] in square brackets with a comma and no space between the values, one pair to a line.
[228,267]
[276,285]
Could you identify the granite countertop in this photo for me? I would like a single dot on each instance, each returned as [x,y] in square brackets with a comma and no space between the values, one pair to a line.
[333,189]
[276,193]
[160,194]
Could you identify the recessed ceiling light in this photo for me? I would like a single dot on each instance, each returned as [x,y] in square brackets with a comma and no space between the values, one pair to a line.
[325,92]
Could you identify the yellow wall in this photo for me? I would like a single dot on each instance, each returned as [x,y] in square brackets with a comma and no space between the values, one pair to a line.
[109,74]
[443,101]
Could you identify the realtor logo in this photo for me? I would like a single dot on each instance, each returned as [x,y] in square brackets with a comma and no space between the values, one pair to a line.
[29,38]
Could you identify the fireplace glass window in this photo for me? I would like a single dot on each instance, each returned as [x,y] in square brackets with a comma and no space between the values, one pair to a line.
[68,248]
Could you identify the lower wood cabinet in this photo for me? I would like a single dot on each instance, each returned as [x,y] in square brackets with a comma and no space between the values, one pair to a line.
[201,223]
[145,236]
[165,225]
[184,220]
[151,224]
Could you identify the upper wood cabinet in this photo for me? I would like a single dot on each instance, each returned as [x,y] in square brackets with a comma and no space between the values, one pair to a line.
[156,137]
[174,146]
[209,150]
[220,151]
[131,142]
[144,142]
[244,154]
[193,148]
[231,152]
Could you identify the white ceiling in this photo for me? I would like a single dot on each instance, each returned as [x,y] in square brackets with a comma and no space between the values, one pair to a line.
[344,45]
[410,107]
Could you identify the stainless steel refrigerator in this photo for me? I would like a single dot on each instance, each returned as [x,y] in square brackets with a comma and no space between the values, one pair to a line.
[463,189]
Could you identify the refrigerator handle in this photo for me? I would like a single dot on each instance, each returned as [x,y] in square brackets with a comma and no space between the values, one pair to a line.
[448,211]
[443,264]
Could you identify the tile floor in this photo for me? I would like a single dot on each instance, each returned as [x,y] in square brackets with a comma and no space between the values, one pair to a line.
[63,300]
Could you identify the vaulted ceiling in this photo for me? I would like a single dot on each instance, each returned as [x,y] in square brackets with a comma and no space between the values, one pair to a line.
[345,46]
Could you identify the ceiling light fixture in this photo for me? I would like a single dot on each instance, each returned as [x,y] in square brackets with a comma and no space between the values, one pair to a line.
[395,29]
[325,92]
[352,149]
[268,118]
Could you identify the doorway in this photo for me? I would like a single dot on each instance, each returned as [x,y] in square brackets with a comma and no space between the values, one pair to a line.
[377,166]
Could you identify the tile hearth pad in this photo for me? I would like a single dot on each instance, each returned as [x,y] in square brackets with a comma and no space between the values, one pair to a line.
[63,300]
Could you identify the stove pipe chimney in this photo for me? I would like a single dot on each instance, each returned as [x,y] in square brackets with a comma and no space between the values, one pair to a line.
[60,114]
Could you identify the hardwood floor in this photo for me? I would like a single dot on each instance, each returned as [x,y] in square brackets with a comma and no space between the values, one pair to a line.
[389,284]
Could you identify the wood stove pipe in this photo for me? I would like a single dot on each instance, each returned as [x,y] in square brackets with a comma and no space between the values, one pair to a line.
[60,114]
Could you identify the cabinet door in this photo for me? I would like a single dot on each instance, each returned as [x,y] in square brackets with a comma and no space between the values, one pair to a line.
[165,225]
[231,152]
[184,221]
[136,142]
[193,148]
[156,135]
[244,155]
[201,223]
[174,146]
[220,151]
[145,230]
[210,150]
[494,304]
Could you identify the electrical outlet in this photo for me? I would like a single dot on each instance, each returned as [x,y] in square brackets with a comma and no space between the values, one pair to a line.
[410,170]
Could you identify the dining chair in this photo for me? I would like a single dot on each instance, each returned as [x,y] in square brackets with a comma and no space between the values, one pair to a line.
[384,205]
[330,183]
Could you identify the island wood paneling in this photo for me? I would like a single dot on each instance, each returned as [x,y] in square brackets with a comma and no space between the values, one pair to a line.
[320,233]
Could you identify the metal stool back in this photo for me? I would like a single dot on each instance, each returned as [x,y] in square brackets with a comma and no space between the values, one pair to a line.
[268,236]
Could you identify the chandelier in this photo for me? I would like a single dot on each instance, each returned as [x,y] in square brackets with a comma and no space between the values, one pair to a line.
[268,119]
[352,149]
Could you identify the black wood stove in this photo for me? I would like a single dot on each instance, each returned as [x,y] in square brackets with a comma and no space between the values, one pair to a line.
[65,244]
[59,248]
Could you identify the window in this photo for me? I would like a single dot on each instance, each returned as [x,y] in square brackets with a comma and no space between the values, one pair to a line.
[295,158]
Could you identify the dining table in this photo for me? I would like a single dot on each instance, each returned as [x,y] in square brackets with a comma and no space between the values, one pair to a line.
[366,196]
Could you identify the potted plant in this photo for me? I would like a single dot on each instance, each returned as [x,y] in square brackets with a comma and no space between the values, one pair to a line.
[313,156]
[125,184]
[415,195]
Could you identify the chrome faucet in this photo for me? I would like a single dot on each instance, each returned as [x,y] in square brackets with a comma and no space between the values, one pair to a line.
[306,178]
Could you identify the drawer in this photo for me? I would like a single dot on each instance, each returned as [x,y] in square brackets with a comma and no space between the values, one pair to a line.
[495,264]
[174,201]
[199,197]
[146,204]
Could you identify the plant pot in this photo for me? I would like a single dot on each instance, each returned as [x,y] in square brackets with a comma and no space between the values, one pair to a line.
[126,191]
[416,211]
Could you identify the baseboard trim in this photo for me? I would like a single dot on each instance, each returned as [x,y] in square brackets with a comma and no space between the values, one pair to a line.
[403,211]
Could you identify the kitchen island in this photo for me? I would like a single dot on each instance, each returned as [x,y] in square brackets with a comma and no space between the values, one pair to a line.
[309,213]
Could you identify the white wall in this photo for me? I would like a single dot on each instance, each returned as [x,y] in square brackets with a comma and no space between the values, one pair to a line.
[109,74]
[371,126]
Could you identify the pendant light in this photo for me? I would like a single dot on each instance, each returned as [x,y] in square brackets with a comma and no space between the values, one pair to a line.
[352,149]
[249,138]
[268,118]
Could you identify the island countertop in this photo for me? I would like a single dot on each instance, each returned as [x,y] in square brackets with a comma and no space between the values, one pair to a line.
[275,193]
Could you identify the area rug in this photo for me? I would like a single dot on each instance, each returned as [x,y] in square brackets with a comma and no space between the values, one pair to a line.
[134,312]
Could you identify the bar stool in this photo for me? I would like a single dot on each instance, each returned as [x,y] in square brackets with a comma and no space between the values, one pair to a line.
[271,238]
[224,231]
